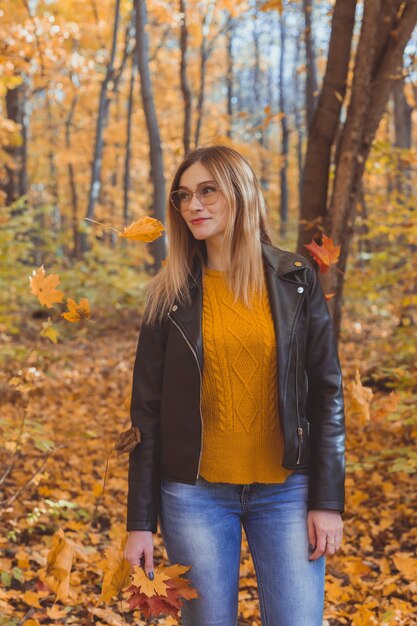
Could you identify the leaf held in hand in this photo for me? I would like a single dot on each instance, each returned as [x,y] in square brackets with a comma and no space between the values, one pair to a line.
[145,229]
[117,576]
[169,581]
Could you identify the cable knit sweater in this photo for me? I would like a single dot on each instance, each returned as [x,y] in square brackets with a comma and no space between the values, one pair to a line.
[242,438]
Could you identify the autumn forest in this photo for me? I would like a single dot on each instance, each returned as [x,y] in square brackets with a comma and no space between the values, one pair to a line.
[99,103]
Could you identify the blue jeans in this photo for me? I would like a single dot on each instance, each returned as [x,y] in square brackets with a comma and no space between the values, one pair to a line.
[201,526]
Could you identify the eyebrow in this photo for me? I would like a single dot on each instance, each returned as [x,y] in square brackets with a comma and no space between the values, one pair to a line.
[202,183]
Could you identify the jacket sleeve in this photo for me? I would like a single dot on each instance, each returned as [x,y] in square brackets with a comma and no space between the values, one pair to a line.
[325,406]
[143,477]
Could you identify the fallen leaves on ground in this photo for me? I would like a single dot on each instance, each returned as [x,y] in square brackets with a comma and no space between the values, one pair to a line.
[78,397]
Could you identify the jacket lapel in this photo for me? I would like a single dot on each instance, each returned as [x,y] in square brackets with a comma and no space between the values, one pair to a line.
[282,279]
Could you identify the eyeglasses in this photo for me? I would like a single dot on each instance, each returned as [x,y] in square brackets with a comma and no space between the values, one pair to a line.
[207,194]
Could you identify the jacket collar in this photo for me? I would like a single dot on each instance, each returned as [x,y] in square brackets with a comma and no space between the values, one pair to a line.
[283,263]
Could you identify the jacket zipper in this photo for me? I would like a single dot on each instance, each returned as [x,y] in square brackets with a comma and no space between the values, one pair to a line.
[201,383]
[299,429]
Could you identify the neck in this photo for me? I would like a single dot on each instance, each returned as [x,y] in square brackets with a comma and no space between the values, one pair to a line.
[214,249]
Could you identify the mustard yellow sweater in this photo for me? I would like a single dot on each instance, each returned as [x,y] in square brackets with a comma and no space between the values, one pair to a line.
[242,438]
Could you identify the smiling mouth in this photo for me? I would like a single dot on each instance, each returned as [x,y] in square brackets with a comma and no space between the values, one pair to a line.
[201,219]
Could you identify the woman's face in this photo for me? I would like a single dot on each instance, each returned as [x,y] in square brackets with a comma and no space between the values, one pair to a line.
[212,219]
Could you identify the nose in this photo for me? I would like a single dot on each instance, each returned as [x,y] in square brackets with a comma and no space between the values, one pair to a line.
[195,203]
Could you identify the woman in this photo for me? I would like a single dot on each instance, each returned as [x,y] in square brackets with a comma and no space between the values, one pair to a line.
[237,393]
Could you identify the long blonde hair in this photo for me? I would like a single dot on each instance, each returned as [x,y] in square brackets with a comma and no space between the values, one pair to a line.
[242,253]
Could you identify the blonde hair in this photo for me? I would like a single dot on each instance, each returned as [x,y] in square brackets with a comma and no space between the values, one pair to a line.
[242,253]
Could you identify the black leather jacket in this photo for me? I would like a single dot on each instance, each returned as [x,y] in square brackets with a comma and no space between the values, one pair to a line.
[167,380]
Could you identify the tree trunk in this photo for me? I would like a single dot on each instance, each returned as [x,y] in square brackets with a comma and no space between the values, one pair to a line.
[16,184]
[157,247]
[385,32]
[185,86]
[103,111]
[284,132]
[298,118]
[229,75]
[76,249]
[204,55]
[128,150]
[325,124]
[311,73]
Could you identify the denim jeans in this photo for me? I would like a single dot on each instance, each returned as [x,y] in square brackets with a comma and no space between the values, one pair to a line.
[201,526]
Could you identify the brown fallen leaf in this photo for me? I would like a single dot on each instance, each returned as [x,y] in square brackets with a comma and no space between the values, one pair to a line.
[127,440]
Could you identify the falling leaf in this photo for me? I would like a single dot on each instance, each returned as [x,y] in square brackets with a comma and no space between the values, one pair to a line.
[145,229]
[44,287]
[117,575]
[58,566]
[49,331]
[77,312]
[325,255]
[360,397]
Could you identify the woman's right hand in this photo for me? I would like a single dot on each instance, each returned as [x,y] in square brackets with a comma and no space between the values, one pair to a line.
[140,542]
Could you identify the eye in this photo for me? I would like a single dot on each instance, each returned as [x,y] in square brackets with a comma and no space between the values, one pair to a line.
[207,190]
[183,195]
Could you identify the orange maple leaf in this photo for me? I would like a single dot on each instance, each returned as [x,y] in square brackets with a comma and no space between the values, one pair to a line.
[77,312]
[44,287]
[167,593]
[325,255]
[145,229]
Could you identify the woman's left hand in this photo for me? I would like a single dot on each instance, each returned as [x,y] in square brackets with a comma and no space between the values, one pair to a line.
[325,530]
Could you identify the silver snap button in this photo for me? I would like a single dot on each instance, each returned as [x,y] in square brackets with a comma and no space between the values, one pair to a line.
[174,308]
[300,289]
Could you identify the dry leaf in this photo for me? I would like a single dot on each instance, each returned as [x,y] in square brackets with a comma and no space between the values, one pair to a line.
[127,440]
[325,255]
[77,312]
[58,567]
[117,575]
[360,397]
[44,287]
[146,229]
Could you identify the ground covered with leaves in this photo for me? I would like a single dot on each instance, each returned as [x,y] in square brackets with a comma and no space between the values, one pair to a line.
[63,406]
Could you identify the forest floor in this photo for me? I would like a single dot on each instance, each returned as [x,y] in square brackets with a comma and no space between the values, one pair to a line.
[79,395]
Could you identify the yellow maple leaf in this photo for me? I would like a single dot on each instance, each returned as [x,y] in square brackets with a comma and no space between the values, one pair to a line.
[151,587]
[117,575]
[43,287]
[176,570]
[145,229]
[49,331]
[58,566]
[77,312]
[360,397]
